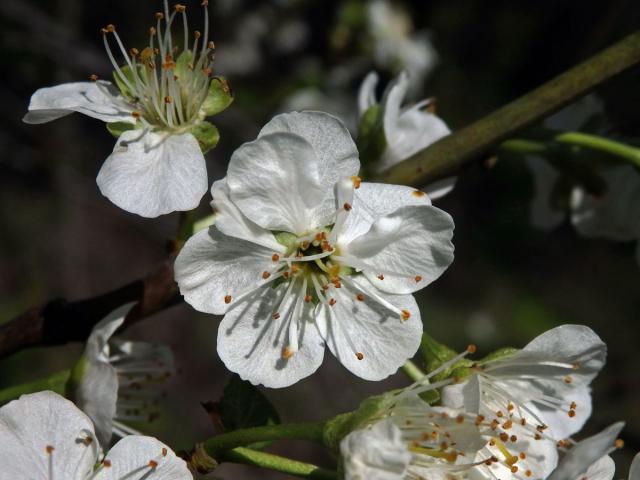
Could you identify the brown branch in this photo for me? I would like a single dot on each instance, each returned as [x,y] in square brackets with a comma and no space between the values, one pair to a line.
[59,321]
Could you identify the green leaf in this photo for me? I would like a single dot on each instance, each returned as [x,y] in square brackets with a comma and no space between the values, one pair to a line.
[242,405]
[207,135]
[118,128]
[219,98]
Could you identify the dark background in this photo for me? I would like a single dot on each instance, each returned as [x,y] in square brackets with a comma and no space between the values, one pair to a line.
[60,238]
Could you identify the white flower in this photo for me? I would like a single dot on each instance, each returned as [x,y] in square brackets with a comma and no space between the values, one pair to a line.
[590,460]
[419,441]
[117,381]
[395,47]
[44,436]
[157,165]
[546,383]
[302,254]
[407,130]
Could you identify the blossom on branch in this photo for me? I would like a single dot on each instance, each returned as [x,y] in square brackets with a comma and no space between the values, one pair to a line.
[44,436]
[303,254]
[157,113]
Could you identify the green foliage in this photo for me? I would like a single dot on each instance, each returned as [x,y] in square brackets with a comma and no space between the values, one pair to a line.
[207,135]
[219,98]
[118,128]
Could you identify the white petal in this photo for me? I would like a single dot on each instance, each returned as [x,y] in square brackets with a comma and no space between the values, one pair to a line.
[34,422]
[373,201]
[375,453]
[615,214]
[634,471]
[99,100]
[440,188]
[277,182]
[585,453]
[230,220]
[330,139]
[543,215]
[251,341]
[212,266]
[351,327]
[367,93]
[602,469]
[143,457]
[411,247]
[391,103]
[153,175]
[97,348]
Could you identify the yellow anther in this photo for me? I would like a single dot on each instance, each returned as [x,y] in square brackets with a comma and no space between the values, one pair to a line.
[568,379]
[619,443]
[180,8]
[418,278]
[356,181]
[287,353]
[406,314]
[93,77]
[153,464]
[418,193]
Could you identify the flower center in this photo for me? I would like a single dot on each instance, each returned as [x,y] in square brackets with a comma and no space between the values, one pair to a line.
[167,85]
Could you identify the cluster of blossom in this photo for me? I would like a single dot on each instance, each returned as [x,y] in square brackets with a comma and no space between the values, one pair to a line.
[302,255]
[511,417]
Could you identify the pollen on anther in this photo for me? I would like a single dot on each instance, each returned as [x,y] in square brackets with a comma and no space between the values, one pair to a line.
[49,449]
[106,463]
[380,277]
[275,257]
[471,348]
[514,469]
[287,353]
[568,379]
[332,301]
[227,299]
[168,99]
[93,77]
[87,441]
[265,274]
[360,297]
[359,355]
[308,298]
[406,314]
[164,452]
[571,413]
[418,278]
[619,443]
[179,8]
[356,181]
[418,193]
[136,115]
[347,206]
[153,464]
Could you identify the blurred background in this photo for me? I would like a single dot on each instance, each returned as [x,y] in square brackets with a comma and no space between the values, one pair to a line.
[60,238]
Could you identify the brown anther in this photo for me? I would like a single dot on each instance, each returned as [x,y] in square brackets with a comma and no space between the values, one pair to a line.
[356,181]
[360,297]
[276,316]
[575,366]
[168,99]
[205,3]
[510,407]
[136,115]
[528,473]
[492,443]
[153,464]
[568,379]
[211,46]
[513,438]
[308,298]
[159,15]
[49,449]
[504,437]
[347,206]
[87,441]
[418,278]
[294,269]
[514,469]
[180,8]
[380,277]
[537,436]
[287,353]
[507,425]
[275,257]
[111,28]
[134,52]
[522,455]
[164,452]
[106,463]
[406,314]
[471,348]
[332,301]
[305,245]
[359,355]
[444,445]
[152,31]
[479,419]
[418,193]
[573,405]
[619,443]
[285,274]
[93,77]
[265,275]
[571,413]
[227,299]
[197,34]
[523,421]
[325,287]
[460,419]
[499,414]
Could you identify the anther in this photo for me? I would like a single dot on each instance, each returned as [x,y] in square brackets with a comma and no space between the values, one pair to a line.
[308,298]
[110,28]
[211,46]
[571,413]
[332,301]
[479,420]
[347,206]
[265,274]
[287,353]
[205,3]
[275,257]
[568,379]
[460,419]
[418,278]
[159,15]
[528,473]
[513,438]
[504,437]
[305,245]
[106,463]
[276,316]
[153,464]
[406,314]
[514,469]
[380,277]
[356,181]
[507,425]
[152,31]
[227,299]
[619,443]
[87,441]
[93,77]
[359,355]
[164,452]
[134,52]
[136,115]
[471,348]
[360,297]
[180,8]
[522,455]
[197,34]
[418,193]
[49,449]
[168,99]
[573,405]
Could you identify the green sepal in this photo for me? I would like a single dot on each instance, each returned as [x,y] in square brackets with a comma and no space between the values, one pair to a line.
[242,406]
[183,61]
[207,135]
[220,96]
[430,396]
[122,86]
[435,354]
[287,239]
[203,223]
[75,378]
[497,355]
[371,140]
[118,128]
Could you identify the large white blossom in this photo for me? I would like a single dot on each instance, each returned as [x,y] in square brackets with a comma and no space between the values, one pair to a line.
[545,384]
[157,165]
[44,436]
[416,440]
[117,380]
[303,253]
[407,130]
[395,45]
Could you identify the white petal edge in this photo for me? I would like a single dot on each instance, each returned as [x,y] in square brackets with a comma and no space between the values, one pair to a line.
[367,93]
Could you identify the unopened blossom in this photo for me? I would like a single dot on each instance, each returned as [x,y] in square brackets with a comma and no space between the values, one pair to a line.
[589,459]
[304,254]
[416,440]
[395,44]
[407,129]
[118,381]
[545,384]
[44,436]
[164,92]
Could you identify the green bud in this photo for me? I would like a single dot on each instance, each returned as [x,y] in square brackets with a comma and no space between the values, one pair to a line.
[286,239]
[435,354]
[118,128]
[371,139]
[207,135]
[219,98]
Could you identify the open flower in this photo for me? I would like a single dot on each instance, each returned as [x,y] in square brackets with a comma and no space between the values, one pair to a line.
[546,383]
[416,440]
[44,436]
[407,130]
[157,165]
[118,381]
[302,253]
